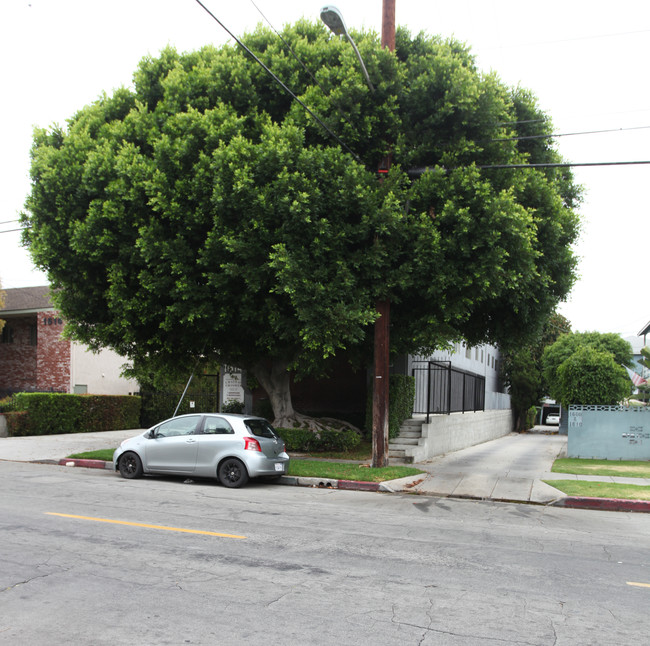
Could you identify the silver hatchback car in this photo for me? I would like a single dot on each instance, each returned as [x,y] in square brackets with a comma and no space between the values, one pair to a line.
[232,448]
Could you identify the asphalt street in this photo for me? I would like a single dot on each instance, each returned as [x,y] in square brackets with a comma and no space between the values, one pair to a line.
[90,558]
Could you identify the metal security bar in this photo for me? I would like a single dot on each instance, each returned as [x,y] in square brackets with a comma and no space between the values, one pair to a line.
[441,389]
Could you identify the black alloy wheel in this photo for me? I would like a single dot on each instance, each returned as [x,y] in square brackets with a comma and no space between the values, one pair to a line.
[232,473]
[130,466]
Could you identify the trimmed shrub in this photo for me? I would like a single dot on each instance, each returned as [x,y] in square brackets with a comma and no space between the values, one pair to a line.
[54,413]
[302,439]
[17,423]
[6,404]
[50,413]
[401,397]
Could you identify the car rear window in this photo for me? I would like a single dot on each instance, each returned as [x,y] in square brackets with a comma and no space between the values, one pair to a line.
[260,427]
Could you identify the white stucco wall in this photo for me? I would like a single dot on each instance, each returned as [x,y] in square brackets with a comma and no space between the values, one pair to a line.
[482,360]
[100,373]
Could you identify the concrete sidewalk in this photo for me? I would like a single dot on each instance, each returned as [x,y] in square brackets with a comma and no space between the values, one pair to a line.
[510,468]
[52,448]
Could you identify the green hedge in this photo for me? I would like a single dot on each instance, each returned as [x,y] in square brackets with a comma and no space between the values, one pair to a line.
[400,403]
[54,413]
[302,439]
[17,423]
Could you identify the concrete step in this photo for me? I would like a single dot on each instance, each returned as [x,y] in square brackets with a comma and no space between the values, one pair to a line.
[416,434]
[399,457]
[405,441]
[412,423]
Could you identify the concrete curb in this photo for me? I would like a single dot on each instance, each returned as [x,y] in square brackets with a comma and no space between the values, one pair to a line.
[398,486]
[88,464]
[604,504]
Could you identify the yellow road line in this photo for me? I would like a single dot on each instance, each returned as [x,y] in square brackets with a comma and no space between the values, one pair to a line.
[638,585]
[124,522]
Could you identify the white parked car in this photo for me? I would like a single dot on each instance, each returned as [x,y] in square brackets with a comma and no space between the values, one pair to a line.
[553,418]
[232,448]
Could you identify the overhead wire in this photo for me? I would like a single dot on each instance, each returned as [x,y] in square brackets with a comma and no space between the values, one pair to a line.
[304,67]
[277,80]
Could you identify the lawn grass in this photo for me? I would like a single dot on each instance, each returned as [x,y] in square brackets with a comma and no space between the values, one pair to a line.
[586,489]
[312,468]
[100,454]
[621,468]
[347,471]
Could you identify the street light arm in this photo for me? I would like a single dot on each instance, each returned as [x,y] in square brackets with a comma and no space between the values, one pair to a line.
[333,18]
[363,67]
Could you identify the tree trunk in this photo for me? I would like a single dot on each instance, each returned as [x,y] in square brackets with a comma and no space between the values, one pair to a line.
[275,378]
[276,381]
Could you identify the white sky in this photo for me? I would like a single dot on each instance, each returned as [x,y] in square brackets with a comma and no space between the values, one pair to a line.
[587,61]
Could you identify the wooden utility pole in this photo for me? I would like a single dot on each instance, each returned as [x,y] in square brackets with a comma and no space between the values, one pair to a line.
[380,391]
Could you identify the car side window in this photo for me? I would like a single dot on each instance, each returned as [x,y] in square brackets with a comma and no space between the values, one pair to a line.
[178,426]
[217,426]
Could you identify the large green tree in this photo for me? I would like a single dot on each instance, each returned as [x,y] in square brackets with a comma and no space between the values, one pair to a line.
[590,376]
[577,361]
[205,214]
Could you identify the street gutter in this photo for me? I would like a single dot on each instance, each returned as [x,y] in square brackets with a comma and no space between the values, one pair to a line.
[571,502]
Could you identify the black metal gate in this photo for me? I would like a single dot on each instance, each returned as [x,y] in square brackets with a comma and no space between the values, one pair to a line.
[441,389]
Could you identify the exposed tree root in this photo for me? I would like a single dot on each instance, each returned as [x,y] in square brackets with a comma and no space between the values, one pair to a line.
[313,424]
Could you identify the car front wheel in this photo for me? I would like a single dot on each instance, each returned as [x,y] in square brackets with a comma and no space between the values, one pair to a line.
[232,473]
[130,466]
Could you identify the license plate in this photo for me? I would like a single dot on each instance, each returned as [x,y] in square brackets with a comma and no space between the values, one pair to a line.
[279,466]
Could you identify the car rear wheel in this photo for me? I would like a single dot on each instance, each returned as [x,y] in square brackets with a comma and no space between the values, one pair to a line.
[130,466]
[232,473]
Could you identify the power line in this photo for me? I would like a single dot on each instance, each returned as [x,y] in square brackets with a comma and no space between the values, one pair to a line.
[565,134]
[416,172]
[9,221]
[277,80]
[13,230]
[304,67]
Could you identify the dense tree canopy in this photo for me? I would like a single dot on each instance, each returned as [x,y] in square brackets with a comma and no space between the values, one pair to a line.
[205,213]
[588,365]
[591,377]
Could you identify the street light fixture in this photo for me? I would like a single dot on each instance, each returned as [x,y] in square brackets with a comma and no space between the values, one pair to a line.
[332,17]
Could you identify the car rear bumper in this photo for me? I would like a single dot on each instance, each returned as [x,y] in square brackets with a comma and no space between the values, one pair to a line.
[261,465]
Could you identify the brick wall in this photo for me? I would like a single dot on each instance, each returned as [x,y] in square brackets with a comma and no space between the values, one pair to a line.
[18,359]
[53,354]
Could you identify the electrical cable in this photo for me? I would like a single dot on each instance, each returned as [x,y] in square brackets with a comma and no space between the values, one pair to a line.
[565,134]
[416,172]
[277,80]
[12,230]
[304,67]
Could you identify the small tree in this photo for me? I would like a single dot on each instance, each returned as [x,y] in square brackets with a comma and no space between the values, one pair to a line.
[591,376]
[522,369]
[569,344]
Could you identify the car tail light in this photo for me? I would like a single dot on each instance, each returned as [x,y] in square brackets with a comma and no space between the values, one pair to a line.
[251,444]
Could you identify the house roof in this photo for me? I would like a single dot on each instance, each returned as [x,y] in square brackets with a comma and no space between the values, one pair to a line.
[645,330]
[26,299]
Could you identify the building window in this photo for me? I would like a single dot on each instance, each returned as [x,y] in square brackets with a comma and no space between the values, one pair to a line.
[33,335]
[7,334]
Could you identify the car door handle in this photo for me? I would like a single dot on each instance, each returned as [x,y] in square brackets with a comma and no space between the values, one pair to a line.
[190,440]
